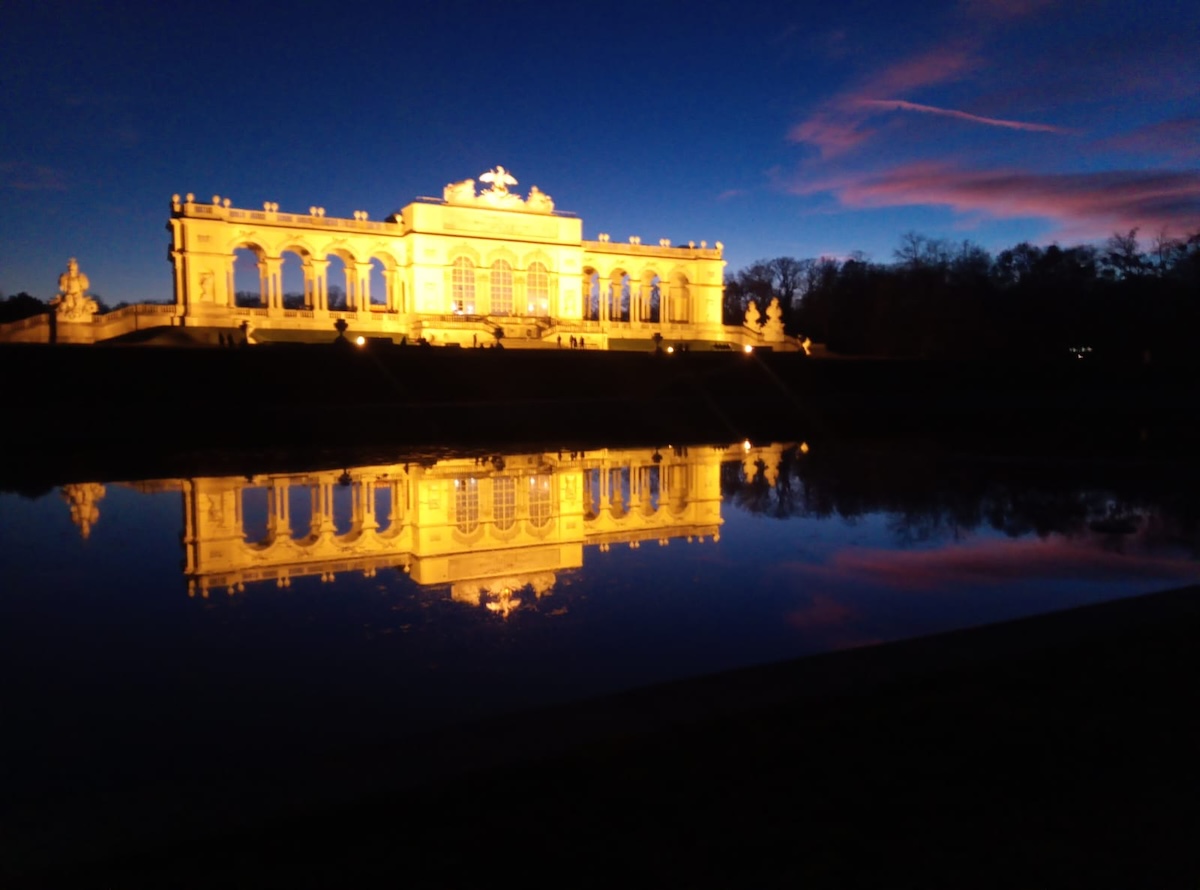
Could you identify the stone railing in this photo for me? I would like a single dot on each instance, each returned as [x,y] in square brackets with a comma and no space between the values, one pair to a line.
[137,309]
[274,217]
[22,324]
[681,252]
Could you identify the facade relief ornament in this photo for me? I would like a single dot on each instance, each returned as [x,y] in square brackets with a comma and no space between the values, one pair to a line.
[497,195]
[72,302]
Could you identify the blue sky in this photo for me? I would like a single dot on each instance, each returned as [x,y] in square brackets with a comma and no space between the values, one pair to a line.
[776,128]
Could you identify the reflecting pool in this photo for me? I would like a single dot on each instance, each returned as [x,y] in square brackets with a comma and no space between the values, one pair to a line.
[154,627]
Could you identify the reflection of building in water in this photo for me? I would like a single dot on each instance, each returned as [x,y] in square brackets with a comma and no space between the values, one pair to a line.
[488,528]
[83,499]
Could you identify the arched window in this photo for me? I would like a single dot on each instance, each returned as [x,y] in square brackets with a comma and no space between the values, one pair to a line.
[537,289]
[462,287]
[504,502]
[466,505]
[540,503]
[502,288]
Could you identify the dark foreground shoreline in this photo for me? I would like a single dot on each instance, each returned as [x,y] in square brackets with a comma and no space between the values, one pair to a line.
[74,412]
[1054,751]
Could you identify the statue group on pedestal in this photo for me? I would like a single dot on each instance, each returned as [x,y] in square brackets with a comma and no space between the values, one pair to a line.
[72,302]
[772,330]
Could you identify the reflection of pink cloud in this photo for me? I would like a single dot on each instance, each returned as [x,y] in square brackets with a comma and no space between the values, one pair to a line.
[1088,202]
[901,105]
[1000,562]
[821,612]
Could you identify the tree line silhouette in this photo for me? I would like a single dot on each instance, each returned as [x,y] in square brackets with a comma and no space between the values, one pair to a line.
[941,299]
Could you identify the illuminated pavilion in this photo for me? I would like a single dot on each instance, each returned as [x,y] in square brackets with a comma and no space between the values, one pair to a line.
[468,269]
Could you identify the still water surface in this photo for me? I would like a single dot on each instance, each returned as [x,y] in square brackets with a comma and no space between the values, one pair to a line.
[154,628]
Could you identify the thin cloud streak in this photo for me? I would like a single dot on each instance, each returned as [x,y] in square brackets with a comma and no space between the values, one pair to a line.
[1087,202]
[902,105]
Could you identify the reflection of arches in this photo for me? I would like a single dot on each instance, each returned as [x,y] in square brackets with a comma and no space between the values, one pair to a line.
[541,506]
[465,506]
[255,514]
[537,290]
[462,287]
[501,286]
[504,504]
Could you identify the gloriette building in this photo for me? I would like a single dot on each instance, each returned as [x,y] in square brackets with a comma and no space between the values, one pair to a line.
[473,267]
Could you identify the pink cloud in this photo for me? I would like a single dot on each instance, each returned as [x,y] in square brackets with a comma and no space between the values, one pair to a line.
[28,177]
[938,66]
[1091,204]
[1178,138]
[839,125]
[1003,9]
[901,105]
[830,133]
[730,194]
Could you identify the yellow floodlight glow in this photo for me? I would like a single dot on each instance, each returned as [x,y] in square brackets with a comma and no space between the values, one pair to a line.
[747,349]
[670,349]
[360,340]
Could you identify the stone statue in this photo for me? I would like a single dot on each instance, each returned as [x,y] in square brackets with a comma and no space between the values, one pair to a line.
[752,317]
[773,329]
[538,201]
[500,179]
[72,302]
[459,192]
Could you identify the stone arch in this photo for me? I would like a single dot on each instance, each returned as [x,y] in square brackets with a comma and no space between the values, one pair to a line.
[620,292]
[537,288]
[387,286]
[296,280]
[502,283]
[678,298]
[590,288]
[460,274]
[539,503]
[247,284]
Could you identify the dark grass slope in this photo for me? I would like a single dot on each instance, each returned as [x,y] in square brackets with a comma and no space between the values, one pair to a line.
[72,401]
[1058,751]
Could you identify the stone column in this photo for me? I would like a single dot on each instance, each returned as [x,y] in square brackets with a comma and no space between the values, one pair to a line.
[320,273]
[362,288]
[364,505]
[322,509]
[278,522]
[271,271]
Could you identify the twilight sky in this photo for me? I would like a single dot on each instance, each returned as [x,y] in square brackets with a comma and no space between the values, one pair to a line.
[778,128]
